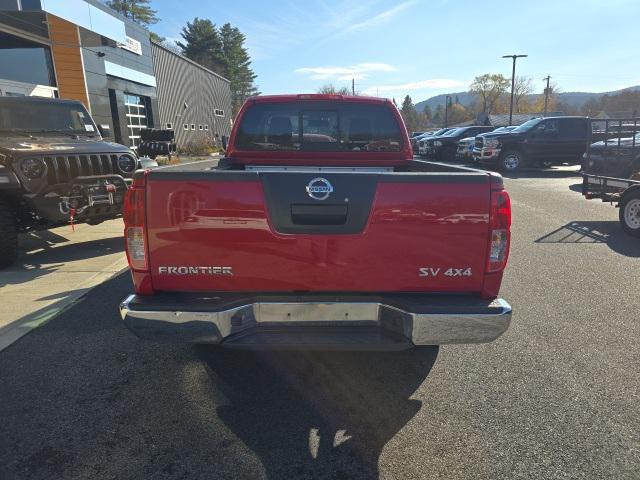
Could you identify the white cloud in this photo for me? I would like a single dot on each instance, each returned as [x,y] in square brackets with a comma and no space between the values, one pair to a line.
[358,72]
[434,83]
[355,76]
[382,17]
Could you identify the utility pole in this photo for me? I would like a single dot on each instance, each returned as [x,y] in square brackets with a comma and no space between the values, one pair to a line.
[353,87]
[546,94]
[447,100]
[513,82]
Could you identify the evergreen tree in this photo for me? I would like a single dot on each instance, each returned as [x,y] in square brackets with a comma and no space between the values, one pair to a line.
[409,114]
[438,116]
[237,65]
[157,38]
[426,111]
[203,45]
[137,10]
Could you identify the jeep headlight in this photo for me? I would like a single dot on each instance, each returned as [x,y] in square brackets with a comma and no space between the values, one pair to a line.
[126,163]
[33,168]
[437,143]
[491,142]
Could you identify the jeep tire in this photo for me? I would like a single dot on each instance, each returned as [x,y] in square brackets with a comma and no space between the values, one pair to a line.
[8,235]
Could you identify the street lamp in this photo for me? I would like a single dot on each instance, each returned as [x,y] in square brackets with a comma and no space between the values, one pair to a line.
[447,100]
[513,81]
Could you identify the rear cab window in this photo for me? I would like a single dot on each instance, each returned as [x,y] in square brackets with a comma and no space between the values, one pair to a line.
[319,126]
[573,128]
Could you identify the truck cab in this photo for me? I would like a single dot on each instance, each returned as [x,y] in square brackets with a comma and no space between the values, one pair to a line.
[538,142]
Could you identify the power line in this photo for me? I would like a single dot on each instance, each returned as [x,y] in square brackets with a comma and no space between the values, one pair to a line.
[546,94]
[513,82]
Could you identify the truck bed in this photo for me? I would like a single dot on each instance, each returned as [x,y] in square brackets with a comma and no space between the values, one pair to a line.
[418,228]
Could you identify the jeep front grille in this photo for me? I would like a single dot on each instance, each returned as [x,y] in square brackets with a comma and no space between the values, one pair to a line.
[61,169]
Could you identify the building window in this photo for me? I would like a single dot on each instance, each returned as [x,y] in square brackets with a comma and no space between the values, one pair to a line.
[137,117]
[219,113]
[25,61]
[186,126]
[169,126]
[206,128]
[31,5]
[200,127]
[193,126]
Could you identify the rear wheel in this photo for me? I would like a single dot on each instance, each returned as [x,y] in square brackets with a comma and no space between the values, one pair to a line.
[511,161]
[8,235]
[630,213]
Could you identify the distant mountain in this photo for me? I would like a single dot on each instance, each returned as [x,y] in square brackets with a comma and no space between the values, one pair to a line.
[465,98]
[573,99]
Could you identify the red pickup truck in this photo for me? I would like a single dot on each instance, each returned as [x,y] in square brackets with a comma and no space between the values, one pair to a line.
[317,230]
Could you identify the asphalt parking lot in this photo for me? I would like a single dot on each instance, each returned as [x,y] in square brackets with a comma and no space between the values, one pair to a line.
[556,397]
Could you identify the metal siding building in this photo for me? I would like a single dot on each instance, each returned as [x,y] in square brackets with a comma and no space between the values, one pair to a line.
[194,101]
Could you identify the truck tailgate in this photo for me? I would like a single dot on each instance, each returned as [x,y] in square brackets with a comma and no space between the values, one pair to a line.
[242,231]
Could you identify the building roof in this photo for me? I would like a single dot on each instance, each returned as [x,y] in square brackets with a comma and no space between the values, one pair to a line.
[464,124]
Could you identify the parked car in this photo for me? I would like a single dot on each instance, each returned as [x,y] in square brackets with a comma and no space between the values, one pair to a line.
[473,158]
[443,148]
[618,157]
[538,142]
[465,149]
[422,140]
[416,140]
[317,230]
[56,168]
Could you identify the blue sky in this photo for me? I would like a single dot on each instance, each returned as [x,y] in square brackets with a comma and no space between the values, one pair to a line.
[425,47]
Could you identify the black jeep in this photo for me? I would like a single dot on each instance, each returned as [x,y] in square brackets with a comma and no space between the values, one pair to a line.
[55,168]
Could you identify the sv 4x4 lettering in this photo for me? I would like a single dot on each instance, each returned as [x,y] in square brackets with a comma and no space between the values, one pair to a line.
[449,272]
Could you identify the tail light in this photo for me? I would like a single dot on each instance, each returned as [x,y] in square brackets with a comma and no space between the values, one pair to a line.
[500,225]
[134,234]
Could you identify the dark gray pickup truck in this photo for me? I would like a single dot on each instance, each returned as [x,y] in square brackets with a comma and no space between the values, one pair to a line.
[55,167]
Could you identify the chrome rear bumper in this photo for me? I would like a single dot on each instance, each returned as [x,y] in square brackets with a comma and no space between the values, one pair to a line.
[393,323]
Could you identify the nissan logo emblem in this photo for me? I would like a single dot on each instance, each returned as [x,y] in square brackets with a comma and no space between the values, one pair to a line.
[319,188]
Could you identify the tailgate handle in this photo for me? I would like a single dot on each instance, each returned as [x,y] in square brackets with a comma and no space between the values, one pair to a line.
[319,214]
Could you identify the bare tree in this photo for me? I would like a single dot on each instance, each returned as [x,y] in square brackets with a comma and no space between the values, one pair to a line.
[330,89]
[489,88]
[523,87]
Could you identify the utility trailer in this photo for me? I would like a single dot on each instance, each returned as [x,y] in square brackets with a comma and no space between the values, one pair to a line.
[624,192]
[613,148]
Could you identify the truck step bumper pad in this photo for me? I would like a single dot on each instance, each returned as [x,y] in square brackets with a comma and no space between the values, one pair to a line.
[256,323]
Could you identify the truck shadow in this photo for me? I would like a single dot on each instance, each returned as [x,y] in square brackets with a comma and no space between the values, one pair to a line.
[606,232]
[81,394]
[318,414]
